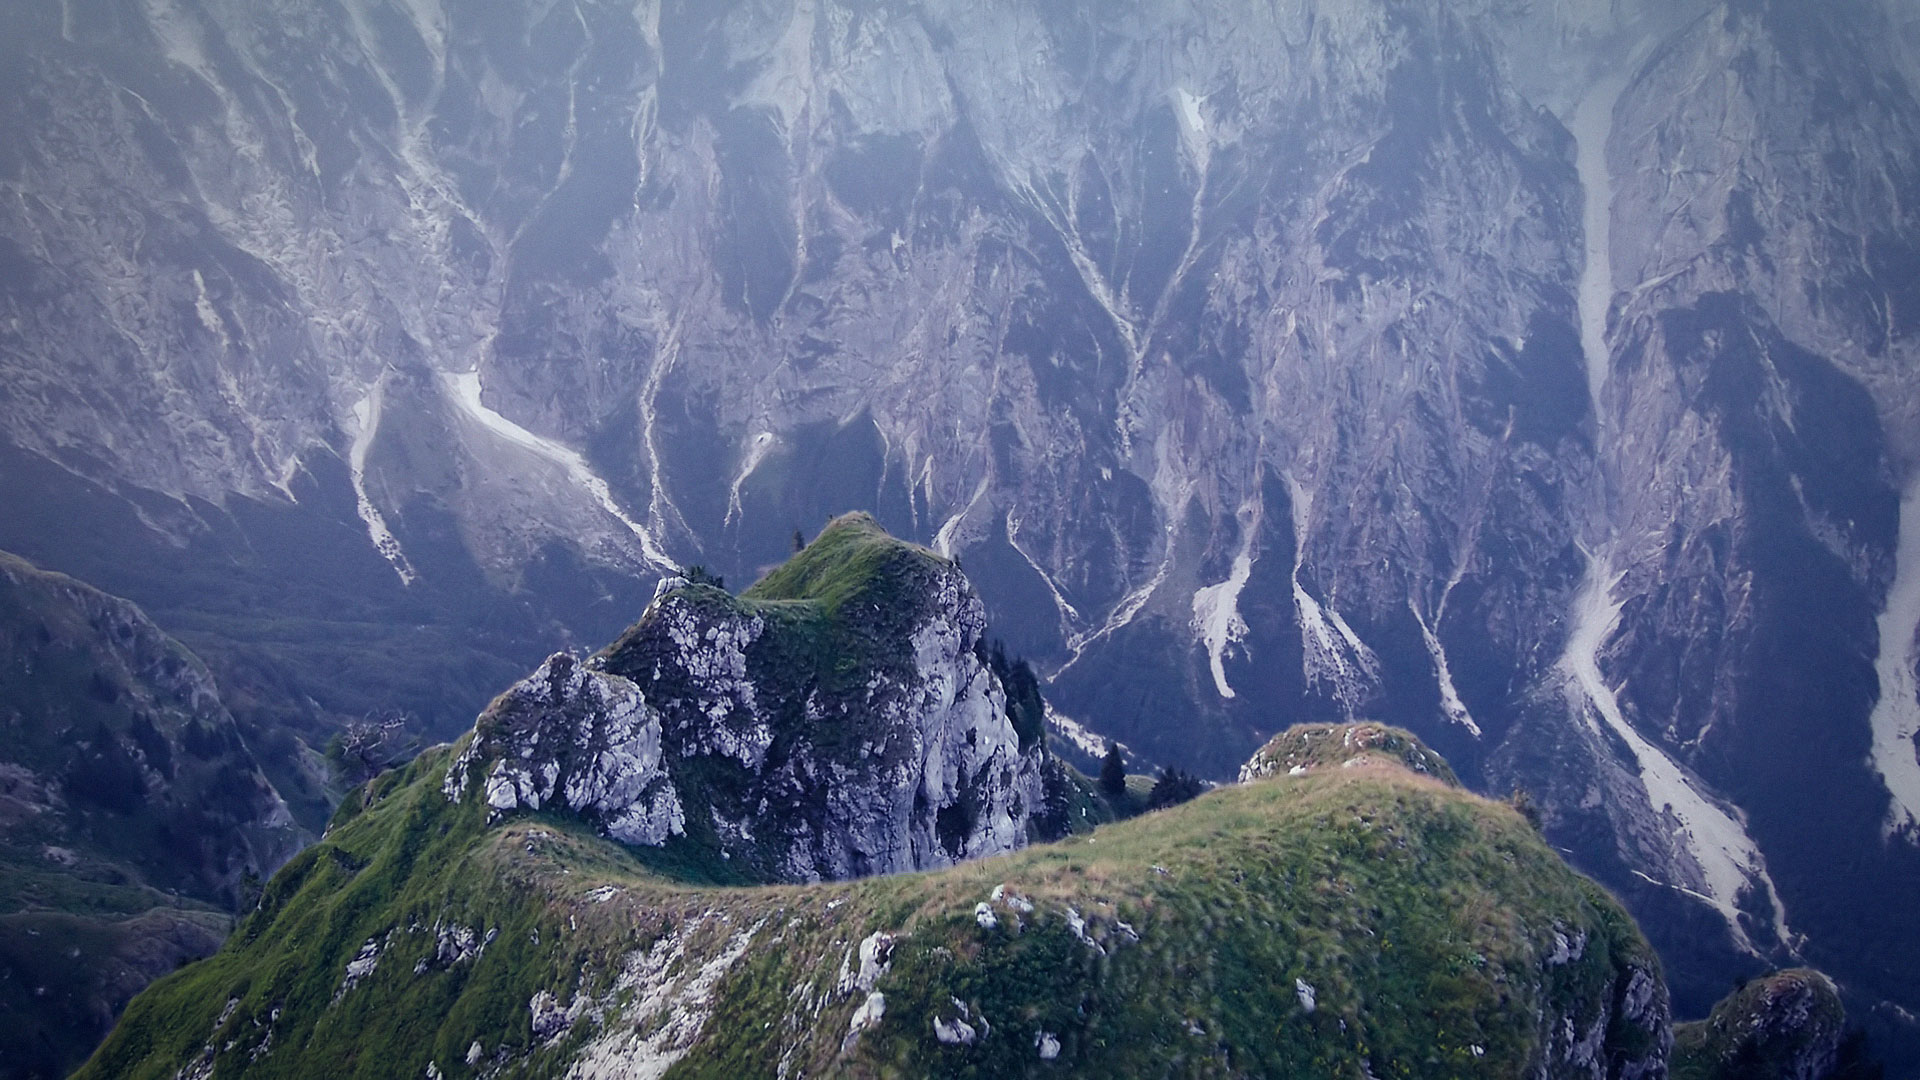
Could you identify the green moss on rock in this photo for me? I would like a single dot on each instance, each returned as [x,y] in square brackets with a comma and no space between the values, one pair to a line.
[1306,748]
[1784,1026]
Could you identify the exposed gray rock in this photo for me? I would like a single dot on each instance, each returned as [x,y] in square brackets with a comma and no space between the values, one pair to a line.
[579,738]
[710,720]
[1788,1024]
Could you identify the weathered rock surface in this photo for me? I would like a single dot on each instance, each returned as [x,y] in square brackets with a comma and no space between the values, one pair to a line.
[1789,1025]
[838,720]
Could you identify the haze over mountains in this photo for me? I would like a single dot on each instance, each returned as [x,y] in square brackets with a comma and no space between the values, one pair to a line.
[1538,376]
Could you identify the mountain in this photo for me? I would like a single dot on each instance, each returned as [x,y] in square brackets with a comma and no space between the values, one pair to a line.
[133,817]
[839,719]
[1790,1024]
[1360,920]
[1537,376]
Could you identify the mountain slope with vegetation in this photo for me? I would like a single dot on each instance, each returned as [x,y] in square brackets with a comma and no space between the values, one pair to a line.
[1349,922]
[1789,1025]
[133,816]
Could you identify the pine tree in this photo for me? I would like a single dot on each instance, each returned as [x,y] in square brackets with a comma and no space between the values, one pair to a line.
[1113,771]
[1174,787]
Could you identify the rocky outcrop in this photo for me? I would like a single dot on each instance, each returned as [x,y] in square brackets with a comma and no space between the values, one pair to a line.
[573,737]
[839,720]
[1788,1025]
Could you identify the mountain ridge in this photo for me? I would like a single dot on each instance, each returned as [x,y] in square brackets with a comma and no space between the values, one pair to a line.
[972,968]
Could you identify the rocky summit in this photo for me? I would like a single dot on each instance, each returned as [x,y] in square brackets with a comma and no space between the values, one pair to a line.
[839,719]
[1790,1025]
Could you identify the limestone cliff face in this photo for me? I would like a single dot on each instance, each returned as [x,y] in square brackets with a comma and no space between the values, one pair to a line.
[849,725]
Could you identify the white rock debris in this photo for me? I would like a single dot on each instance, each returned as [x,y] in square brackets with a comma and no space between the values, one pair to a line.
[362,965]
[964,1028]
[551,1021]
[953,1032]
[868,1014]
[876,953]
[1567,949]
[1078,924]
[1047,1045]
[1019,904]
[669,995]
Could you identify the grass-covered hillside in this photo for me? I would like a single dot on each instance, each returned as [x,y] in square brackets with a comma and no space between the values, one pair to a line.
[132,814]
[1348,922]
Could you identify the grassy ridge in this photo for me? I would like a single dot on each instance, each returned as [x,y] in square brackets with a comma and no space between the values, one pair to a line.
[1419,915]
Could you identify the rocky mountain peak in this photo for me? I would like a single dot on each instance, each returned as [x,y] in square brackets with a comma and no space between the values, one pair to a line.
[1305,748]
[1789,1024]
[839,719]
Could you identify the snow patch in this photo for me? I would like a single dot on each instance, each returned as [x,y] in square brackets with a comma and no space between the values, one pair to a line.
[1592,124]
[209,315]
[1216,608]
[1896,717]
[1332,653]
[1450,702]
[1193,127]
[757,451]
[1136,600]
[366,424]
[943,540]
[1067,611]
[1076,733]
[464,390]
[1717,839]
